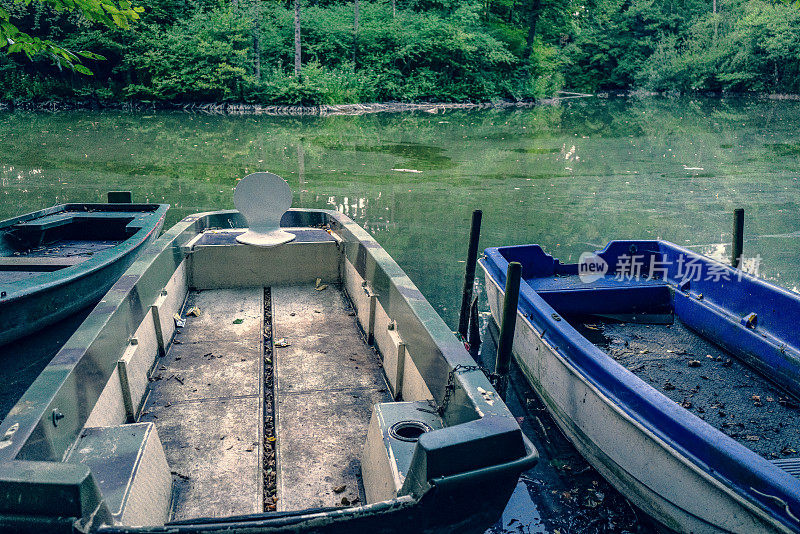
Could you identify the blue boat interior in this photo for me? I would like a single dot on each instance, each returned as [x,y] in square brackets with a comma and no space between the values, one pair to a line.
[658,281]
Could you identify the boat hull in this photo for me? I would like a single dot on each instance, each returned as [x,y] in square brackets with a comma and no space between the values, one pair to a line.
[654,476]
[67,291]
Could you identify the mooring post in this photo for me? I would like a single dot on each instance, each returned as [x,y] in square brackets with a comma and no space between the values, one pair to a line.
[469,274]
[474,338]
[738,237]
[510,302]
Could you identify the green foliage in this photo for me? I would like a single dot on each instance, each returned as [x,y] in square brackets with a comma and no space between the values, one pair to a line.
[428,50]
[108,13]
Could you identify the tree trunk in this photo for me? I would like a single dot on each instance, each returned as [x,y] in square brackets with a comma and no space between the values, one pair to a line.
[257,51]
[297,58]
[355,34]
[394,8]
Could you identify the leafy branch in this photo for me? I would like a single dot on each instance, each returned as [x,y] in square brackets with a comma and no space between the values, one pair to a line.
[109,13]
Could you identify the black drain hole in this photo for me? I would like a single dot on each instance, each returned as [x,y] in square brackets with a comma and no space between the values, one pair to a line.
[408,430]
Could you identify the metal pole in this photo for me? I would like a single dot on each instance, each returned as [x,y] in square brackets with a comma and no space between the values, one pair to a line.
[738,237]
[510,302]
[474,330]
[469,275]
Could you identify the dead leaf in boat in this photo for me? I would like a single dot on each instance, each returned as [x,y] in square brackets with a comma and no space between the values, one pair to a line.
[339,489]
[752,438]
[282,343]
[179,322]
[319,286]
[194,311]
[686,403]
[694,363]
[238,321]
[345,501]
[668,386]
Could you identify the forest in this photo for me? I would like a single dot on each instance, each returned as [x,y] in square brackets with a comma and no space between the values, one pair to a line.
[311,52]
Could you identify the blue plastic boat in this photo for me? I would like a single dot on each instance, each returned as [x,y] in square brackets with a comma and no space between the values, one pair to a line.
[674,375]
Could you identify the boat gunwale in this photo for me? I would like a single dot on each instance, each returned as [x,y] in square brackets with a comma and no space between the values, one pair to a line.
[646,407]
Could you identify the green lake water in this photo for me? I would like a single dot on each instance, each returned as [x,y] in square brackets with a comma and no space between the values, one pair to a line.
[570,177]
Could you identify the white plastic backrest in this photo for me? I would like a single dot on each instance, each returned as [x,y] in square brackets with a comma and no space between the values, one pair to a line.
[262,198]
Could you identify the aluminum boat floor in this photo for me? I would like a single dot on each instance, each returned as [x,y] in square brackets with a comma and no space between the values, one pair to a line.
[206,402]
[715,387]
[327,380]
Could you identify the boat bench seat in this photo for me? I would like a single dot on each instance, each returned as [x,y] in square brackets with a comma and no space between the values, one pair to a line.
[391,440]
[790,465]
[130,469]
[133,220]
[38,264]
[608,295]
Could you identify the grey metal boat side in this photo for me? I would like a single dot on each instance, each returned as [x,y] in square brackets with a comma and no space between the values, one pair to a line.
[458,477]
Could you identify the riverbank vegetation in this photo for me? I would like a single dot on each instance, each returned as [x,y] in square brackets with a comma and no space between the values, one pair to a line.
[339,51]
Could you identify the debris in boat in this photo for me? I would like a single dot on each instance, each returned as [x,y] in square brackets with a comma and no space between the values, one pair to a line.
[668,386]
[488,396]
[282,343]
[194,311]
[686,403]
[177,342]
[339,489]
[345,501]
[694,363]
[319,286]
[292,314]
[238,321]
[179,322]
[181,476]
[752,438]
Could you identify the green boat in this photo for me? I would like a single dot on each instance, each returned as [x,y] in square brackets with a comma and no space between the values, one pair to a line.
[306,386]
[57,261]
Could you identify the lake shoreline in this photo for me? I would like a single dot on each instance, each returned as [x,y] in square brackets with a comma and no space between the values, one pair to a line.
[324,110]
[232,108]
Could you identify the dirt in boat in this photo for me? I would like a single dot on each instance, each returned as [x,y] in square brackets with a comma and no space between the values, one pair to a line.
[704,379]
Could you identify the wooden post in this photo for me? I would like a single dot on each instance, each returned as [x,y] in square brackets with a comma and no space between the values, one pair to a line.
[469,274]
[738,237]
[474,338]
[510,302]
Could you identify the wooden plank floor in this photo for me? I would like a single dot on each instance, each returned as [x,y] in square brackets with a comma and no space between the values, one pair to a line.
[327,380]
[206,403]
